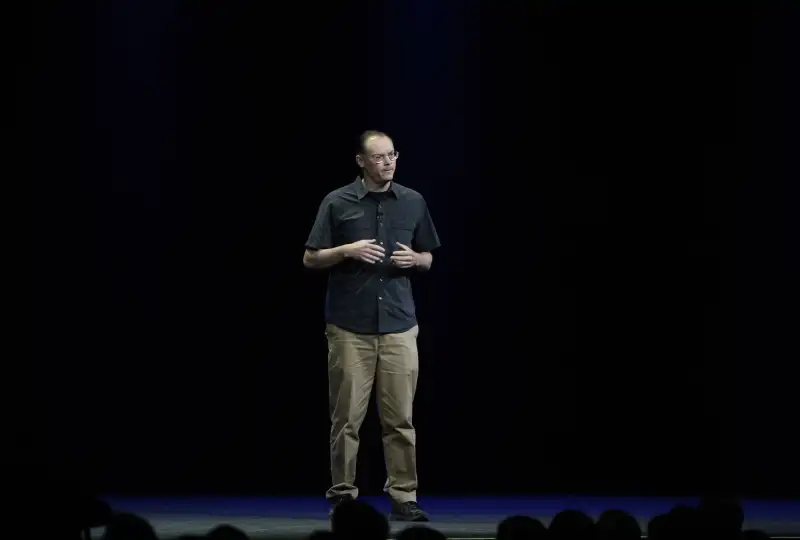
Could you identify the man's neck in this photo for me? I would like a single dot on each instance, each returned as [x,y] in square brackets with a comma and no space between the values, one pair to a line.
[372,186]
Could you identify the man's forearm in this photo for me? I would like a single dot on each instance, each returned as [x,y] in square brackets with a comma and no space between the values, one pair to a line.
[323,258]
[425,261]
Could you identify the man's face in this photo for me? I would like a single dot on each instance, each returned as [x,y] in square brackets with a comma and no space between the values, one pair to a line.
[378,159]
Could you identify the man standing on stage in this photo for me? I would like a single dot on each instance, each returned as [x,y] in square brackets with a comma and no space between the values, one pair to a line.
[373,234]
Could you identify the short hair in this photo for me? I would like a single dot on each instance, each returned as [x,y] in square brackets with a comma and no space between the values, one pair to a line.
[367,135]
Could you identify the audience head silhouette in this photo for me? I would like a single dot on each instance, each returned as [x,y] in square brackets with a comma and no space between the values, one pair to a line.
[521,528]
[420,532]
[226,532]
[126,526]
[722,516]
[617,525]
[357,520]
[683,523]
[571,525]
[657,528]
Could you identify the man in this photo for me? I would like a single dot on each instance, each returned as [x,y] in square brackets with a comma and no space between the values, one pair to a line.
[373,235]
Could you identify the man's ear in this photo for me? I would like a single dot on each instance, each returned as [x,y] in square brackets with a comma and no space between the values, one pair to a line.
[360,160]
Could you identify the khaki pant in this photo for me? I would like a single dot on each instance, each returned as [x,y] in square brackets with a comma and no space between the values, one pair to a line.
[355,361]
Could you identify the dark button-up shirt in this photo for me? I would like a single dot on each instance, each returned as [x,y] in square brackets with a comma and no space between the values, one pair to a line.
[372,298]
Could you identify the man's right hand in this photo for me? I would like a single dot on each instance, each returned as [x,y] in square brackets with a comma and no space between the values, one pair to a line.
[366,250]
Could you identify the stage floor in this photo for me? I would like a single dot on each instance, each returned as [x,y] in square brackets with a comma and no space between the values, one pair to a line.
[474,517]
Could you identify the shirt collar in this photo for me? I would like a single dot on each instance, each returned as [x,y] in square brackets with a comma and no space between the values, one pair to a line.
[361,189]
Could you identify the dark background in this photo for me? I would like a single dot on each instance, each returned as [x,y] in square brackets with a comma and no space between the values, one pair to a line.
[614,305]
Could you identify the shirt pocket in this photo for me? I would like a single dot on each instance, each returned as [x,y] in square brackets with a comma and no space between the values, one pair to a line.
[403,232]
[354,230]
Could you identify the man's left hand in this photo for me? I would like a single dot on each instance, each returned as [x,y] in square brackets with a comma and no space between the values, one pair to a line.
[405,257]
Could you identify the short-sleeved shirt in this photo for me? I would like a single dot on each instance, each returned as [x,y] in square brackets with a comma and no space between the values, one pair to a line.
[372,298]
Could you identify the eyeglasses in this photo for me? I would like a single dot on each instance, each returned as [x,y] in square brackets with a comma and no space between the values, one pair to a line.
[381,158]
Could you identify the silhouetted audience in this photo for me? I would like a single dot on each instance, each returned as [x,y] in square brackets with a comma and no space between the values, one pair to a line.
[420,532]
[682,523]
[126,526]
[226,532]
[357,520]
[617,525]
[571,525]
[657,527]
[713,519]
[721,518]
[521,528]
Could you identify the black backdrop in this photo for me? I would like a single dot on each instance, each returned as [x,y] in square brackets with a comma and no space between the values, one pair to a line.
[611,310]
